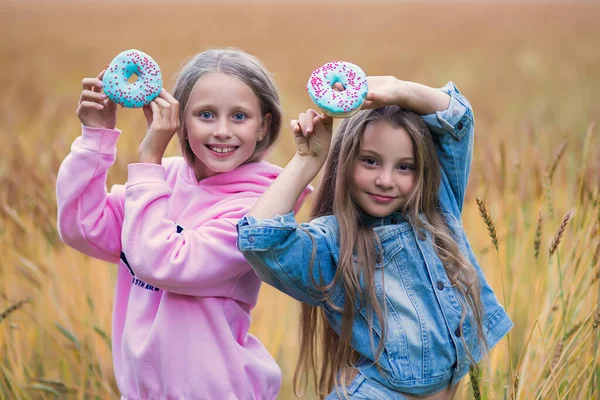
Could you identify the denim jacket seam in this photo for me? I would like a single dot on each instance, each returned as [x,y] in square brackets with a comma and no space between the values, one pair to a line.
[411,295]
[446,127]
[270,228]
[292,280]
[490,318]
[460,183]
[456,134]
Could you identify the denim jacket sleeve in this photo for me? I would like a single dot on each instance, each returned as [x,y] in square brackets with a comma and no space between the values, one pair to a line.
[453,135]
[280,252]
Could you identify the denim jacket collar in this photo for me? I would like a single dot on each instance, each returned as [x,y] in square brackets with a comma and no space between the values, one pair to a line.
[374,222]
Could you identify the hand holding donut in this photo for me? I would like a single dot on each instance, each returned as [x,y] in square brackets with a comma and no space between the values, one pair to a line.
[383,91]
[162,115]
[338,88]
[312,134]
[95,109]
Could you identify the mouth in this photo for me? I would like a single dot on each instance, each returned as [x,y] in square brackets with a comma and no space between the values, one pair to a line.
[379,198]
[222,150]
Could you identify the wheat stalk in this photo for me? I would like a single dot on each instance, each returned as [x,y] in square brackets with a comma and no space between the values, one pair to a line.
[516,175]
[538,236]
[573,330]
[559,234]
[596,320]
[596,255]
[557,353]
[548,194]
[557,156]
[550,174]
[473,376]
[488,221]
[515,387]
[13,308]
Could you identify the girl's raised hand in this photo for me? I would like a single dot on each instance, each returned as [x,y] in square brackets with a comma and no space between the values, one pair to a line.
[162,115]
[95,109]
[312,134]
[383,91]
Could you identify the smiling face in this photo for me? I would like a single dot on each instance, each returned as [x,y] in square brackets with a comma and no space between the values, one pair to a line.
[224,122]
[384,172]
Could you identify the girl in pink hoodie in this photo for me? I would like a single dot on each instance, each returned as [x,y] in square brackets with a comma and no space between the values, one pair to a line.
[183,291]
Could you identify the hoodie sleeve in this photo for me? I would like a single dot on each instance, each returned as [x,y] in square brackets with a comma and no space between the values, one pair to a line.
[203,261]
[89,218]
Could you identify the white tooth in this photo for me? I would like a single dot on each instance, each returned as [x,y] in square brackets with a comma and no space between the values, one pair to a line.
[222,150]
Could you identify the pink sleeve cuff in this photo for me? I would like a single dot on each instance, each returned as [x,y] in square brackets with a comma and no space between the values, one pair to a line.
[145,173]
[100,140]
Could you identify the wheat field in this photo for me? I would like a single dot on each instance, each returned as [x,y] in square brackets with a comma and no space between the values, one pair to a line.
[531,71]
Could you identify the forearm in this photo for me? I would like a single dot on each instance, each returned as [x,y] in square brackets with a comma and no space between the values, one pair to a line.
[89,218]
[281,197]
[421,99]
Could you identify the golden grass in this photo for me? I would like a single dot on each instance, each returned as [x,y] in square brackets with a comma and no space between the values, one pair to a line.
[530,70]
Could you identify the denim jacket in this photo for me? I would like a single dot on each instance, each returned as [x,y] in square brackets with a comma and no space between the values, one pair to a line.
[423,349]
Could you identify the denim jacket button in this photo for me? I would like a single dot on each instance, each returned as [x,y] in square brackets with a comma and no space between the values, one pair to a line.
[458,332]
[440,285]
[395,221]
[459,126]
[251,239]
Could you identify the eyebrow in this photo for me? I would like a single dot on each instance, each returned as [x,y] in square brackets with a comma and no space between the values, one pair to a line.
[209,106]
[373,152]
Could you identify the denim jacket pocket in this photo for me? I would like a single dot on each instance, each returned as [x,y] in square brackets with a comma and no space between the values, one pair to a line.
[390,242]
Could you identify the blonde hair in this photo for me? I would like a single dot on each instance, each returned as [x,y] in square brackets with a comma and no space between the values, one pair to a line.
[238,64]
[318,338]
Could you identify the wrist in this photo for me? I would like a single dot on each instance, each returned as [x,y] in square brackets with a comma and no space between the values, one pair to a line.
[309,162]
[97,126]
[150,158]
[404,94]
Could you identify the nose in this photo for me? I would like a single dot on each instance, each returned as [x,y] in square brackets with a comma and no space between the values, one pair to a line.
[223,131]
[385,179]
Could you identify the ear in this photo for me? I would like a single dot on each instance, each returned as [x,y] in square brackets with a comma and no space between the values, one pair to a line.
[264,129]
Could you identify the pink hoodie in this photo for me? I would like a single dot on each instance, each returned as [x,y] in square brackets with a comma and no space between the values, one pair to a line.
[183,292]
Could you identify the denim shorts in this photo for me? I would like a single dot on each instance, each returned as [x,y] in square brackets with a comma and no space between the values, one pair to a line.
[363,389]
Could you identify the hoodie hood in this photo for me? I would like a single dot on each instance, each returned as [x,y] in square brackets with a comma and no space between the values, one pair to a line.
[254,177]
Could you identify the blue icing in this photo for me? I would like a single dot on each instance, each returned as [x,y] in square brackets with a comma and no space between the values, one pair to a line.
[332,102]
[139,93]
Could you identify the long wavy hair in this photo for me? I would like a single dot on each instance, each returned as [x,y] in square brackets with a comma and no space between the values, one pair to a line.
[323,353]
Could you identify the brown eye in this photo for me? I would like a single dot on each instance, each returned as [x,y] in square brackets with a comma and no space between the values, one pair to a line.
[369,161]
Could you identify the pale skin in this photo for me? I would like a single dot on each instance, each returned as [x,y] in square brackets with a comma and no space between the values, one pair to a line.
[312,134]
[96,110]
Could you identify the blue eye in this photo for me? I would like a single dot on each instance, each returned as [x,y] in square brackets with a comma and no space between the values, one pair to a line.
[206,115]
[239,117]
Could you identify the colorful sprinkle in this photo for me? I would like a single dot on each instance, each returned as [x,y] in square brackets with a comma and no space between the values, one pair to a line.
[334,103]
[139,93]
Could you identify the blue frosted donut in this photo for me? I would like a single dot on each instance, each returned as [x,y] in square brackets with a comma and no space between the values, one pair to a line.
[143,90]
[332,102]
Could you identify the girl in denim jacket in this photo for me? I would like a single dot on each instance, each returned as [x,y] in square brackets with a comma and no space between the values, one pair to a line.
[387,239]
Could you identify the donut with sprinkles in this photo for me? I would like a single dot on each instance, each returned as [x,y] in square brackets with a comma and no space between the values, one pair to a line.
[338,104]
[136,94]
